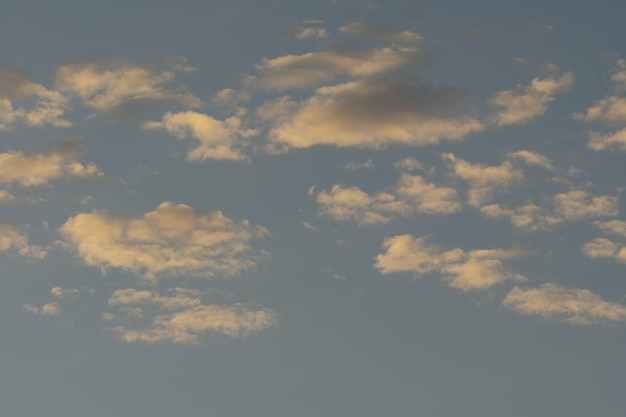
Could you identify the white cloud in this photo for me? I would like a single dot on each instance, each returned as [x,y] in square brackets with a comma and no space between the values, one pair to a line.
[426,198]
[573,205]
[105,85]
[484,180]
[617,227]
[351,203]
[527,102]
[353,166]
[182,316]
[315,68]
[528,217]
[532,158]
[68,294]
[39,168]
[172,240]
[466,271]
[48,108]
[571,305]
[217,139]
[310,29]
[611,109]
[578,204]
[50,309]
[408,164]
[374,114]
[14,238]
[600,142]
[604,248]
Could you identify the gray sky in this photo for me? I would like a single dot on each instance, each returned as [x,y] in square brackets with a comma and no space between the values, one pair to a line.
[312,208]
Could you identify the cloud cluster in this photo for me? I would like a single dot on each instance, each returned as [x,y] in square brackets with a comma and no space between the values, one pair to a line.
[571,305]
[40,105]
[182,316]
[217,139]
[13,238]
[527,102]
[37,169]
[574,205]
[466,271]
[412,194]
[483,180]
[106,84]
[173,239]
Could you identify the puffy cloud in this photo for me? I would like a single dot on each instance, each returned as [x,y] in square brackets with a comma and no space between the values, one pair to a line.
[617,227]
[466,271]
[14,238]
[578,204]
[600,142]
[48,108]
[427,198]
[106,84]
[314,68]
[611,109]
[373,114]
[527,102]
[532,158]
[484,180]
[528,217]
[574,205]
[384,32]
[412,194]
[351,203]
[571,305]
[39,168]
[217,139]
[604,248]
[173,239]
[408,164]
[182,316]
[69,294]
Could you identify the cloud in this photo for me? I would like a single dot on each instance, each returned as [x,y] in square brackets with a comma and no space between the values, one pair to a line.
[408,164]
[310,29]
[574,205]
[426,198]
[412,194]
[604,248]
[466,271]
[483,180]
[14,238]
[50,309]
[532,158]
[600,142]
[571,305]
[217,139]
[106,84]
[182,317]
[172,240]
[579,204]
[350,203]
[382,31]
[527,102]
[39,169]
[617,227]
[353,166]
[528,217]
[611,109]
[68,294]
[315,68]
[374,114]
[48,107]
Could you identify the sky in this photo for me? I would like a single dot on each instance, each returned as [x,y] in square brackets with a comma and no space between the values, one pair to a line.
[313,208]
